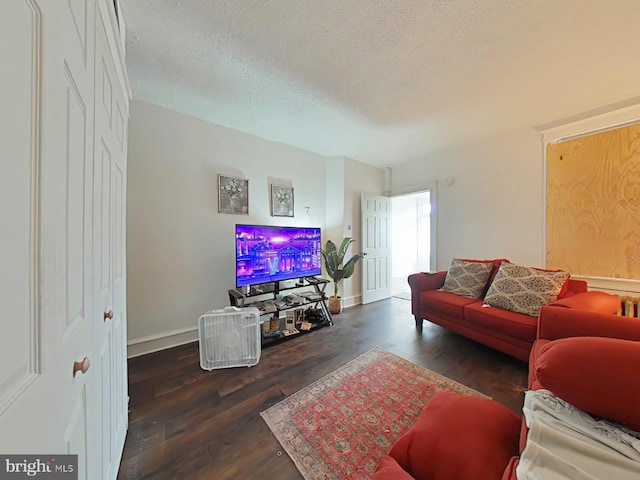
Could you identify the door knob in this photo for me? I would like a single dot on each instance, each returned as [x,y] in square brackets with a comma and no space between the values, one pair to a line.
[82,366]
[108,315]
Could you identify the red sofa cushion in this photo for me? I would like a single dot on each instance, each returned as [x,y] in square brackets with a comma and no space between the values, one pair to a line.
[512,324]
[459,437]
[575,286]
[445,303]
[388,469]
[597,375]
[510,471]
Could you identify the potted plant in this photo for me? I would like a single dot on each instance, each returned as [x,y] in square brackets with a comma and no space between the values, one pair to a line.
[338,269]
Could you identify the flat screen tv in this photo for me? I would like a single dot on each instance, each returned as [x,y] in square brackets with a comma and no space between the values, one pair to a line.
[267,253]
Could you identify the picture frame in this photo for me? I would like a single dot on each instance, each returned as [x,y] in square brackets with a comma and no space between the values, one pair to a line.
[282,201]
[233,195]
[290,320]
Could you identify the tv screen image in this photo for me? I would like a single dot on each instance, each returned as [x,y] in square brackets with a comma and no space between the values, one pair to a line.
[267,253]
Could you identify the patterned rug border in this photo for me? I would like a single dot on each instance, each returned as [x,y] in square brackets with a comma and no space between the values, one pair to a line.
[282,410]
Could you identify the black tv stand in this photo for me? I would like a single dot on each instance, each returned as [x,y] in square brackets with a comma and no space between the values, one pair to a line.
[306,309]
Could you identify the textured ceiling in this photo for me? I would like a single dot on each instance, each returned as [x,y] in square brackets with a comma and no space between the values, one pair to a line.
[382,81]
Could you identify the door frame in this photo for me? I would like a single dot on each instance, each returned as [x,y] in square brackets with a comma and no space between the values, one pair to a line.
[432,188]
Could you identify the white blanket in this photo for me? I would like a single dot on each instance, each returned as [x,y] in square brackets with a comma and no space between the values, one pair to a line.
[567,443]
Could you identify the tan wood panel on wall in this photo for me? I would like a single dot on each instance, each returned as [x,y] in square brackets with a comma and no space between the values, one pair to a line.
[593,204]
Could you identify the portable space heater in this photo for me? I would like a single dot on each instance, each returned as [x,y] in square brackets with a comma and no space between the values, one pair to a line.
[229,338]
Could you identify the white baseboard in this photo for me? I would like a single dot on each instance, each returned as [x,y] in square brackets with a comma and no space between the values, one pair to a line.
[351,301]
[161,341]
[615,286]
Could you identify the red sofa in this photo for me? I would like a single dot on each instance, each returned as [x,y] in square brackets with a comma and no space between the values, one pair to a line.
[509,332]
[460,437]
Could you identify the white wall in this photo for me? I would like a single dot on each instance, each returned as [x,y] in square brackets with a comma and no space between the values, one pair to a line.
[494,208]
[335,200]
[346,180]
[180,250]
[359,177]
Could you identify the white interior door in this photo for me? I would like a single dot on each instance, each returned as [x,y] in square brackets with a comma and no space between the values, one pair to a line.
[109,260]
[62,241]
[376,239]
[75,67]
[45,398]
[27,341]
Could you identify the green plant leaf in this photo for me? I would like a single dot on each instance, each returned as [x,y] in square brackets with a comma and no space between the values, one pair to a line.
[343,248]
[333,261]
[330,261]
[338,275]
[331,247]
[350,266]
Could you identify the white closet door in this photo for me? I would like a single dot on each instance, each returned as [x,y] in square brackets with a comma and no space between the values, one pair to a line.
[62,202]
[46,172]
[109,187]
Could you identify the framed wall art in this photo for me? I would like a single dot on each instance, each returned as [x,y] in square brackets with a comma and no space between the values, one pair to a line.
[281,201]
[233,195]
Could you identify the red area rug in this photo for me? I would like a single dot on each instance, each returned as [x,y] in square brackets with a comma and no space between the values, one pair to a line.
[338,427]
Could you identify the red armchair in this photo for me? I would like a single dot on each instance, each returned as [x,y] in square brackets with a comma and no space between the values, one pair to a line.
[555,323]
[459,437]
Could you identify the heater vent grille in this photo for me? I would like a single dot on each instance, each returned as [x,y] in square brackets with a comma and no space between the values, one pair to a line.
[628,306]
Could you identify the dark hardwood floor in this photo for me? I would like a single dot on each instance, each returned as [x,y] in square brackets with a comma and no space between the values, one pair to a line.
[187,423]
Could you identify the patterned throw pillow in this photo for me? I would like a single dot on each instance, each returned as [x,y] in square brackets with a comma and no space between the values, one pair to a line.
[467,279]
[524,289]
